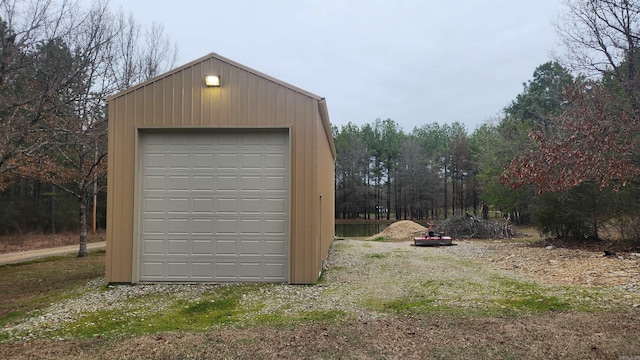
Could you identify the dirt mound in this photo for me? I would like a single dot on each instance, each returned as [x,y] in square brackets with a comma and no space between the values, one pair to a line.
[403,230]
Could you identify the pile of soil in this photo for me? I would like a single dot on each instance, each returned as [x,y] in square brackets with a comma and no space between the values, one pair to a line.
[404,230]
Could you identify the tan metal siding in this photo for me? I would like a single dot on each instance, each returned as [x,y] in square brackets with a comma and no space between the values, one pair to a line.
[245,99]
[326,186]
[119,196]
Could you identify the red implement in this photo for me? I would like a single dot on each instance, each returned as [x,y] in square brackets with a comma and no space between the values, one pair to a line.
[432,240]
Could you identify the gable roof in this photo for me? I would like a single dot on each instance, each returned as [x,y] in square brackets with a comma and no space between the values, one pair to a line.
[219,58]
[322,105]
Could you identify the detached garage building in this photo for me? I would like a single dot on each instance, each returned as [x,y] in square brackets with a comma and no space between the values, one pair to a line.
[223,181]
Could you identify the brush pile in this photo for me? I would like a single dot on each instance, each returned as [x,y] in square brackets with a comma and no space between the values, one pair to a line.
[472,227]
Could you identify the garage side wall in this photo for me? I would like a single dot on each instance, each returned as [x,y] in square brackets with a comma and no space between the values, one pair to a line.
[326,188]
[246,99]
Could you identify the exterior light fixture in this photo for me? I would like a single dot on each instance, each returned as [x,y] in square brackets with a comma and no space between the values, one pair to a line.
[212,80]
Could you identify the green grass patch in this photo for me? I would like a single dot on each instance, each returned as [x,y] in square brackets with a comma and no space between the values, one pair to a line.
[338,246]
[279,320]
[380,239]
[535,303]
[496,296]
[377,256]
[218,307]
[408,305]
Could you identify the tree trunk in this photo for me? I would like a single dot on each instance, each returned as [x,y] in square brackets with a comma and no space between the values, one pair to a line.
[446,200]
[388,193]
[52,210]
[83,228]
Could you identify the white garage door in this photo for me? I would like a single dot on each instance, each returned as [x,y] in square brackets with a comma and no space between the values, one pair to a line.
[214,207]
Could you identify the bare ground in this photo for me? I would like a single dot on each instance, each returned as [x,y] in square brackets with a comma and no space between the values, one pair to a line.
[551,335]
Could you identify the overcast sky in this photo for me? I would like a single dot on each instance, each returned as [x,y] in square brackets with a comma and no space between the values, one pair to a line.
[415,62]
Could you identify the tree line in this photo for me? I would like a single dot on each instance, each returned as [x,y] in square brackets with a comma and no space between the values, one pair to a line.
[59,61]
[563,156]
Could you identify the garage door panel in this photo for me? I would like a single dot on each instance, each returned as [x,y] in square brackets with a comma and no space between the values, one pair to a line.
[177,270]
[252,139]
[153,247]
[203,205]
[202,226]
[202,247]
[275,206]
[214,207]
[226,183]
[226,247]
[226,226]
[154,205]
[179,161]
[227,140]
[155,161]
[273,271]
[203,183]
[250,227]
[277,140]
[275,184]
[225,271]
[251,206]
[227,206]
[201,270]
[203,161]
[273,248]
[275,227]
[251,161]
[152,269]
[227,161]
[178,226]
[275,161]
[177,205]
[250,247]
[153,226]
[177,247]
[154,183]
[251,183]
[179,183]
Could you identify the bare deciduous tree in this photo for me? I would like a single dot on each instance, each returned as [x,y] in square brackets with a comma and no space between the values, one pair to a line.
[84,56]
[601,37]
[27,87]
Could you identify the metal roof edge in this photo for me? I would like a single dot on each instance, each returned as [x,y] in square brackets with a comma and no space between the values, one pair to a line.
[223,59]
[324,116]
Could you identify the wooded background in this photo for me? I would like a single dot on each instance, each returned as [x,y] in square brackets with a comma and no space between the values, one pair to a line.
[563,155]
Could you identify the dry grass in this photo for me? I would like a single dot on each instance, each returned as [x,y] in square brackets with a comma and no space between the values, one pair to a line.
[547,336]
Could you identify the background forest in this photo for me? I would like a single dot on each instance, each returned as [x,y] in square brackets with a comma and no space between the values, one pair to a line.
[563,155]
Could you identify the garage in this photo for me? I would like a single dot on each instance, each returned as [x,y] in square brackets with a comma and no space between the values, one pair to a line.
[215,206]
[218,173]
